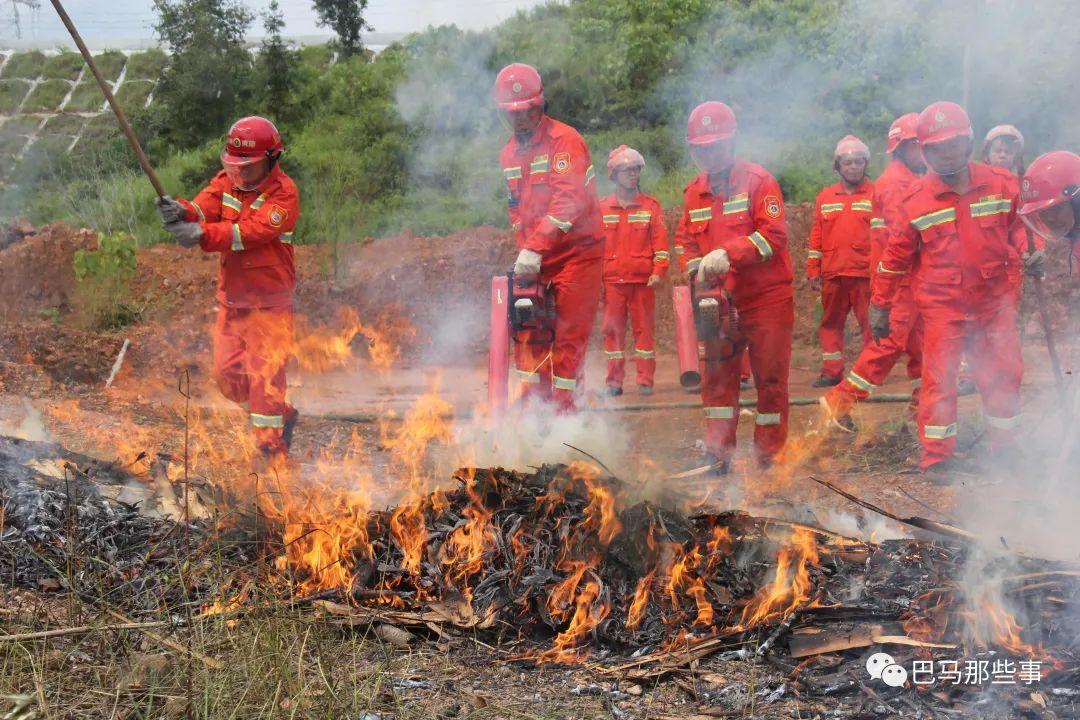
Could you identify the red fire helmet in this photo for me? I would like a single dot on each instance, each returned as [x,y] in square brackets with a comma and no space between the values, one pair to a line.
[710,122]
[518,87]
[903,128]
[943,121]
[1052,179]
[851,145]
[251,139]
[622,157]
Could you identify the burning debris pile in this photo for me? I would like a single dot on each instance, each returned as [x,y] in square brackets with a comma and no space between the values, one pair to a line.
[549,564]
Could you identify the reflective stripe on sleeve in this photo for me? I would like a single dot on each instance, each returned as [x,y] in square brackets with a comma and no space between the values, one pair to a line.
[739,203]
[614,354]
[237,239]
[199,212]
[814,255]
[761,244]
[611,218]
[767,419]
[725,412]
[285,238]
[641,216]
[267,421]
[990,206]
[512,173]
[939,432]
[645,354]
[862,206]
[590,175]
[258,202]
[882,269]
[661,255]
[538,165]
[701,214]
[564,226]
[832,356]
[831,208]
[876,223]
[692,265]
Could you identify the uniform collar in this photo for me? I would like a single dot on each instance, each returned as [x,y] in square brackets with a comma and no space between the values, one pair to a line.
[861,188]
[980,176]
[534,139]
[268,181]
[735,177]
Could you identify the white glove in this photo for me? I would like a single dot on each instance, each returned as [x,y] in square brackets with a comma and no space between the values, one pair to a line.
[527,263]
[713,264]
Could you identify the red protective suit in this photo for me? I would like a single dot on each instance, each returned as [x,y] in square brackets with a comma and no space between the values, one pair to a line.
[745,217]
[964,248]
[839,253]
[635,247]
[554,211]
[253,334]
[877,358]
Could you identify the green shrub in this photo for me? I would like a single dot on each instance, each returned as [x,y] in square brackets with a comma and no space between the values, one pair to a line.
[12,93]
[109,63]
[65,66]
[86,97]
[146,65]
[47,96]
[64,124]
[103,282]
[24,65]
[132,94]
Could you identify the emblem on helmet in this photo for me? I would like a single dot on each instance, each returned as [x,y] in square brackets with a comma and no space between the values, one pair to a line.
[706,121]
[1027,185]
[517,87]
[939,117]
[235,142]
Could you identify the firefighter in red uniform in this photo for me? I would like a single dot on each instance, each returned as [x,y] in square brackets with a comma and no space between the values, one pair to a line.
[636,258]
[247,214]
[877,358]
[555,214]
[1050,195]
[734,231]
[956,221]
[838,261]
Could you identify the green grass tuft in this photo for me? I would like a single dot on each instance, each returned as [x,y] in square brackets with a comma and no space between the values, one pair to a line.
[12,93]
[25,65]
[86,98]
[65,66]
[47,96]
[133,93]
[146,65]
[110,63]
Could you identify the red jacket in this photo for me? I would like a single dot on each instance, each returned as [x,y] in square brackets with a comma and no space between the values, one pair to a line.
[840,235]
[747,220]
[253,232]
[963,242]
[889,190]
[635,240]
[552,199]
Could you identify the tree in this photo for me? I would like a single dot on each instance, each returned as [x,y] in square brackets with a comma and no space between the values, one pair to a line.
[277,64]
[346,19]
[209,73]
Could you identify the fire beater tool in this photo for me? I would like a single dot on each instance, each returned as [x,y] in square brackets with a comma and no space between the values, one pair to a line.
[121,118]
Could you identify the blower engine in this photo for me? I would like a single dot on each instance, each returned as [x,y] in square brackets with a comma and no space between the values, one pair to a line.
[519,305]
[704,313]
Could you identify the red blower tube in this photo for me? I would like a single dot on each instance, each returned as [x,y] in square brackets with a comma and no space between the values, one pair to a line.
[686,343]
[499,348]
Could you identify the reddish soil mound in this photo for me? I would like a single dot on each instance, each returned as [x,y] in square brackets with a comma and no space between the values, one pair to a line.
[36,272]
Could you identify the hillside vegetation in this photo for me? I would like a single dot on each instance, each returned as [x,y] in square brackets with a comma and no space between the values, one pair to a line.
[408,138]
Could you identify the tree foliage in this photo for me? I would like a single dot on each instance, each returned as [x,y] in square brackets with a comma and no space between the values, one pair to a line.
[346,19]
[209,73]
[277,66]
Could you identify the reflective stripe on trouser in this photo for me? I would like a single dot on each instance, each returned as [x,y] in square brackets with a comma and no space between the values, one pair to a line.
[768,330]
[251,348]
[840,296]
[576,288]
[639,301]
[993,349]
[876,360]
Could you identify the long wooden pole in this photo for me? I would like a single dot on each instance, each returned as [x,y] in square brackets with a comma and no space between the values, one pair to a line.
[117,110]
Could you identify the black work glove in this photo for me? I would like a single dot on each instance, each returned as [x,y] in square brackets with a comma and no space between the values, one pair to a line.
[171,211]
[879,322]
[186,234]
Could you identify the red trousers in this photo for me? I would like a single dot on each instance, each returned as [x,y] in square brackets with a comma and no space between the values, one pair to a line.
[768,331]
[251,348]
[639,300]
[990,338]
[839,296]
[876,360]
[555,371]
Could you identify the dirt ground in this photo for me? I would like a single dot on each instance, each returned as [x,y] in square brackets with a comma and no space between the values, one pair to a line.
[428,298]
